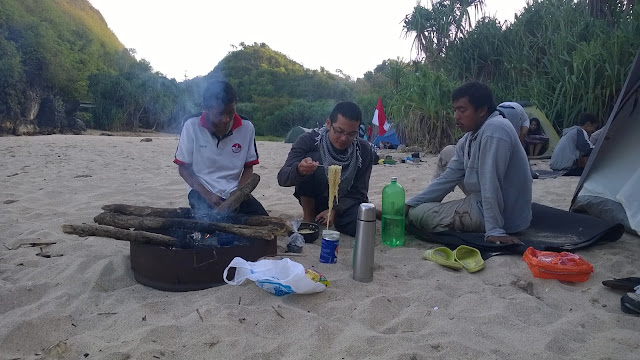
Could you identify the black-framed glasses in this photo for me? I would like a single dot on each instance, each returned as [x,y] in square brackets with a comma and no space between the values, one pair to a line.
[340,132]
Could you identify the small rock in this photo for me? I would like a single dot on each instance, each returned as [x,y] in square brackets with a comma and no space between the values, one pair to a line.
[146,140]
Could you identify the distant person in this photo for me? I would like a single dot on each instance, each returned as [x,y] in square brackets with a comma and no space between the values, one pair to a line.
[216,153]
[490,162]
[536,138]
[516,115]
[573,150]
[362,132]
[307,166]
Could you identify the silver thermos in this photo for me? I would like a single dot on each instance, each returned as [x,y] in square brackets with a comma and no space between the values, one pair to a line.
[364,244]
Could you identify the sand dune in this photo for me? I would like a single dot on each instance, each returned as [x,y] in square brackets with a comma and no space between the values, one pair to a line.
[86,303]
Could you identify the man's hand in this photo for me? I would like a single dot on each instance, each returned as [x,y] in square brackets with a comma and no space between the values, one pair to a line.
[504,239]
[213,199]
[307,166]
[323,216]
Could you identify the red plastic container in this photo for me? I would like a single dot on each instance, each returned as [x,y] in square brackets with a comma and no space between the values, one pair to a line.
[563,266]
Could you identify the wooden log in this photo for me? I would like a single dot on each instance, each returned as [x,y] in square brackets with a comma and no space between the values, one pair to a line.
[239,195]
[120,234]
[124,209]
[155,223]
[269,221]
[185,213]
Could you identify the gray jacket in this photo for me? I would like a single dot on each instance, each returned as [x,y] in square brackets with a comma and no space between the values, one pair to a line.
[494,167]
[572,146]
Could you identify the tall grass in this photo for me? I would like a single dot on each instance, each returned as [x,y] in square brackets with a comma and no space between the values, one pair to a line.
[553,54]
[421,109]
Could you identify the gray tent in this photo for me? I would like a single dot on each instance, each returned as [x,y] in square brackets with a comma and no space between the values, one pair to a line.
[610,184]
[294,133]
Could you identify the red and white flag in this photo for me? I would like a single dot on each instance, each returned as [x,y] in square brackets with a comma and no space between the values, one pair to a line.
[380,119]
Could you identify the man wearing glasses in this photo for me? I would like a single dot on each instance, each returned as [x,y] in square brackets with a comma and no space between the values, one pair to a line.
[216,153]
[307,166]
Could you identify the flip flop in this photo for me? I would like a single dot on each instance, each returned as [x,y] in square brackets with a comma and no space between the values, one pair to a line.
[626,284]
[630,304]
[443,256]
[469,257]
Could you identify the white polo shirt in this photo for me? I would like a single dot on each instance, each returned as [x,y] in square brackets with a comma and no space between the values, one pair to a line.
[218,163]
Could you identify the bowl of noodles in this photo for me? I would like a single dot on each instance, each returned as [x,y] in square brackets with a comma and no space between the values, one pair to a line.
[309,231]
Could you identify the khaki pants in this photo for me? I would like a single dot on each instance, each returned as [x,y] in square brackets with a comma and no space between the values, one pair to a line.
[464,215]
[443,160]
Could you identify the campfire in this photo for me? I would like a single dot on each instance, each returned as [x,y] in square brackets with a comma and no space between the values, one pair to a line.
[170,250]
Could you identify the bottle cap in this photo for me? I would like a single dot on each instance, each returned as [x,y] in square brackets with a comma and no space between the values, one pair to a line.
[393,178]
[367,212]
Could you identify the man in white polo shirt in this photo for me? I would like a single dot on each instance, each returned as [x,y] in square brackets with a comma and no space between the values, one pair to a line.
[216,153]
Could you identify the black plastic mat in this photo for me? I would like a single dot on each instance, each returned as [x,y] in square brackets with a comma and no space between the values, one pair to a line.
[551,230]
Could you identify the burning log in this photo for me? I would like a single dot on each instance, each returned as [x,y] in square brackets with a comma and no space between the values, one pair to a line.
[120,234]
[159,224]
[185,213]
[177,213]
[241,194]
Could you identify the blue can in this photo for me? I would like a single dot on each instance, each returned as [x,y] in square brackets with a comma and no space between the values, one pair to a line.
[329,247]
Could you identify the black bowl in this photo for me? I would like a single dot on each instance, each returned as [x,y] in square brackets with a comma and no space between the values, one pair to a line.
[311,236]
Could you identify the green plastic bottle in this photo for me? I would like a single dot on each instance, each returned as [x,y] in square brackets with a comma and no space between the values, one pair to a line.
[393,214]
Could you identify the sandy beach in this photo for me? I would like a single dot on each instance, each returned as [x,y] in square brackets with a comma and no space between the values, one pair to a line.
[87,304]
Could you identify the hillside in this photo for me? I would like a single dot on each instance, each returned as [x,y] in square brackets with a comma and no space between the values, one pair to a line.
[49,49]
[274,91]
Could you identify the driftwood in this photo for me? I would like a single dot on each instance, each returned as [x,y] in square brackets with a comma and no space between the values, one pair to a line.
[185,213]
[176,213]
[155,223]
[120,234]
[240,194]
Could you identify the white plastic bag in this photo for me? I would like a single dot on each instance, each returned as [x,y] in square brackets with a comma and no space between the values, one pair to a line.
[279,277]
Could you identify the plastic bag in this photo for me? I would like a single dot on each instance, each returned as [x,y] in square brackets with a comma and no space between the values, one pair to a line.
[279,277]
[296,241]
[563,266]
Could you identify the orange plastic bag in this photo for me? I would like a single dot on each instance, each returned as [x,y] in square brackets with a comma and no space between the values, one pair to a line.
[563,266]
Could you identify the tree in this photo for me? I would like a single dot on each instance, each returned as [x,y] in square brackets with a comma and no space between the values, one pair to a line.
[434,28]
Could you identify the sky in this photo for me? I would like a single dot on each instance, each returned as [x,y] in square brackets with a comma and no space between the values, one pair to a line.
[187,38]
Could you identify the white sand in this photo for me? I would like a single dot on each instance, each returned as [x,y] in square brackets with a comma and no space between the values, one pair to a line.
[88,302]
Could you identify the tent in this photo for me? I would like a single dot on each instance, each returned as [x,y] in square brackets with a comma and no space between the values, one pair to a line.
[534,112]
[390,136]
[610,183]
[294,133]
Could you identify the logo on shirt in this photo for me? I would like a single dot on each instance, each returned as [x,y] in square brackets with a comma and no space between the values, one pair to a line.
[236,148]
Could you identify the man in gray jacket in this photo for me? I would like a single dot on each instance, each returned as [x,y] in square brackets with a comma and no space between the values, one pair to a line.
[573,149]
[490,163]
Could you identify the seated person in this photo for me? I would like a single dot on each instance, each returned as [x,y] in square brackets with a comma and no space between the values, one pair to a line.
[573,150]
[335,144]
[595,137]
[216,153]
[516,115]
[536,139]
[497,179]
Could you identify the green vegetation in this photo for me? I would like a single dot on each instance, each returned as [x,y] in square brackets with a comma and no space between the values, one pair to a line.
[270,138]
[567,57]
[63,49]
[45,49]
[275,92]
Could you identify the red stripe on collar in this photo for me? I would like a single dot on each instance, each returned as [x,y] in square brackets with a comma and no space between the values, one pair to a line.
[237,122]
[203,122]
